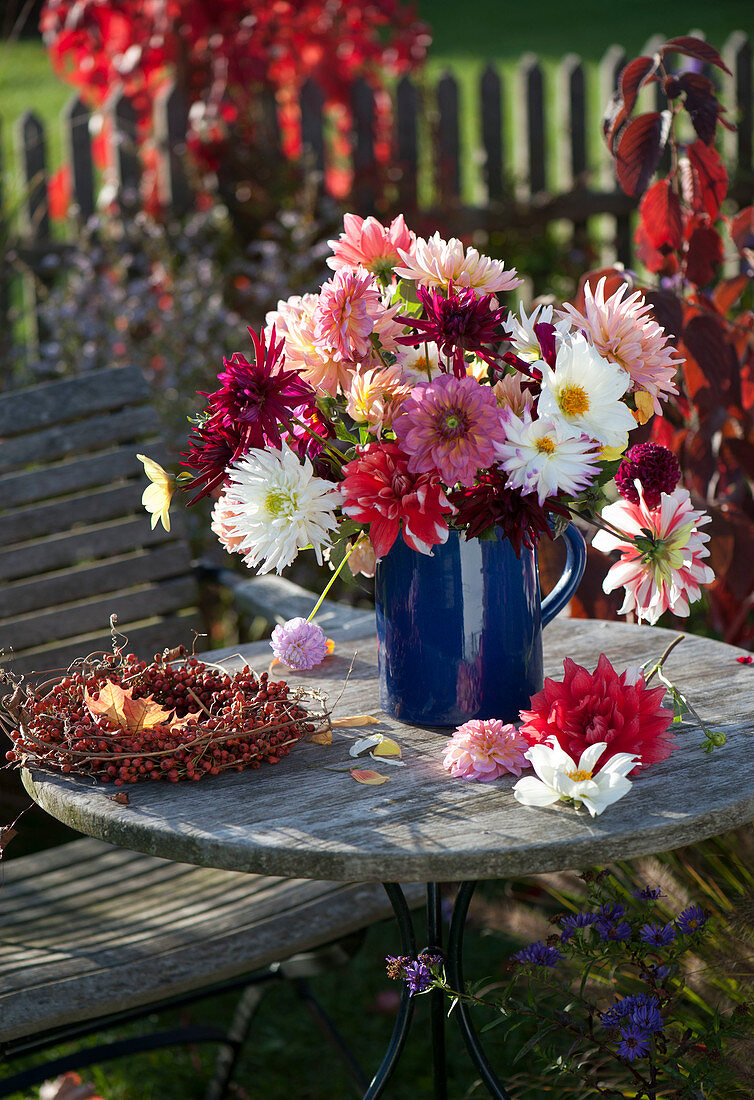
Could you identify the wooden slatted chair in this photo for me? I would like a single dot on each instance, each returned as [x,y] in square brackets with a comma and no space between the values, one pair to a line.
[93,936]
[74,542]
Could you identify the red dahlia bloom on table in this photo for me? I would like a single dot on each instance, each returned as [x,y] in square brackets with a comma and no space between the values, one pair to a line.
[587,707]
[378,489]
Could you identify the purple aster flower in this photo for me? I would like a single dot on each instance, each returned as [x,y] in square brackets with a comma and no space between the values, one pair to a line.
[647,1016]
[659,935]
[418,973]
[618,931]
[634,1043]
[624,1007]
[654,467]
[648,893]
[656,973]
[458,321]
[571,924]
[299,644]
[612,912]
[691,920]
[538,954]
[450,427]
[260,397]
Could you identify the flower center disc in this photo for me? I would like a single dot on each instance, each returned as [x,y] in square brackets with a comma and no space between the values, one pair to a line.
[573,400]
[545,445]
[278,503]
[579,776]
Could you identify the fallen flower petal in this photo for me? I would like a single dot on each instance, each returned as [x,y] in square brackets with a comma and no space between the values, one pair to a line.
[387,747]
[367,776]
[356,720]
[364,743]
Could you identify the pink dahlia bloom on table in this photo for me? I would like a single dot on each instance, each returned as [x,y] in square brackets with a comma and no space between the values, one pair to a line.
[344,319]
[585,708]
[486,749]
[436,262]
[623,331]
[368,243]
[379,489]
[451,427]
[661,557]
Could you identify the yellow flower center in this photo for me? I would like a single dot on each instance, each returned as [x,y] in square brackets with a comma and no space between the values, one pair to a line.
[278,503]
[579,776]
[573,401]
[545,445]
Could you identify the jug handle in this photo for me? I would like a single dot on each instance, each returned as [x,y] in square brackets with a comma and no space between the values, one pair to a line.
[575,565]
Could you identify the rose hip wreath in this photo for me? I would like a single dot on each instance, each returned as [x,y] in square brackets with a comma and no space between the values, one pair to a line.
[124,720]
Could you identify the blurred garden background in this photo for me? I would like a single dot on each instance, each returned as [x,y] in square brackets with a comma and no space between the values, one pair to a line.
[154,204]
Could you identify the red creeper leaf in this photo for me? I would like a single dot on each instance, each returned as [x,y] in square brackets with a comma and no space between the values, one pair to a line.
[660,212]
[639,150]
[701,104]
[742,229]
[635,74]
[705,253]
[710,179]
[695,47]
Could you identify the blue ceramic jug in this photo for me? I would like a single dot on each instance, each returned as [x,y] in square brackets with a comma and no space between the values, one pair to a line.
[459,632]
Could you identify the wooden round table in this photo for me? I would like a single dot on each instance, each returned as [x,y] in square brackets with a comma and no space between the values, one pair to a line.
[308,818]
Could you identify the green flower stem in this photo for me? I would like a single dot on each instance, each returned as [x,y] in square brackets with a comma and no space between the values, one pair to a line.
[712,738]
[338,458]
[333,579]
[668,650]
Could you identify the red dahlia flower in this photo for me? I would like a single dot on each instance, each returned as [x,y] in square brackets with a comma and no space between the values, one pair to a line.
[379,490]
[457,322]
[492,503]
[260,397]
[586,707]
[212,448]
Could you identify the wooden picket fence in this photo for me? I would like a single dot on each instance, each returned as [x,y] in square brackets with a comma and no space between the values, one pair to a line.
[521,181]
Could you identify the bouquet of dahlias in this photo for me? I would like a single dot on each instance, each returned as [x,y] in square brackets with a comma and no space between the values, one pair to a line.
[403,399]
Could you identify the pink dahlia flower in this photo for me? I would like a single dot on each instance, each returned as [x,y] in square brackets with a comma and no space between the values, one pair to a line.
[299,644]
[585,708]
[436,262]
[661,564]
[621,331]
[485,749]
[371,244]
[379,489]
[451,427]
[345,316]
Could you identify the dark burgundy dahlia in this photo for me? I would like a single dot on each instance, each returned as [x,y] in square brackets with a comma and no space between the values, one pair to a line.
[654,467]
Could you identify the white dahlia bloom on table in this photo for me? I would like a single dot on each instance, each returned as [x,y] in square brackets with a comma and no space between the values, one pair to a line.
[584,393]
[542,457]
[275,505]
[661,565]
[559,777]
[438,263]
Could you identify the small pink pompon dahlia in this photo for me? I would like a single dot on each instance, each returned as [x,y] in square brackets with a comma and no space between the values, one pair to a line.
[345,316]
[661,564]
[622,332]
[439,263]
[378,489]
[601,706]
[299,644]
[371,244]
[450,426]
[485,749]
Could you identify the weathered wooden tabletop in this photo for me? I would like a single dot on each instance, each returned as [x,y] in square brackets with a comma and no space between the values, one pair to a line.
[307,817]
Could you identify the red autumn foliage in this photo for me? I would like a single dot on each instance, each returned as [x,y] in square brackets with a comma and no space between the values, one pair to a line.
[681,238]
[223,54]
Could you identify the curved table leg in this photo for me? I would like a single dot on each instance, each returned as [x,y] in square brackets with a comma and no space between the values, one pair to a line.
[454,971]
[406,1009]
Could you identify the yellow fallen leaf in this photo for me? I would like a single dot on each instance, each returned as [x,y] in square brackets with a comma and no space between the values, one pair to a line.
[365,775]
[387,747]
[322,737]
[357,720]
